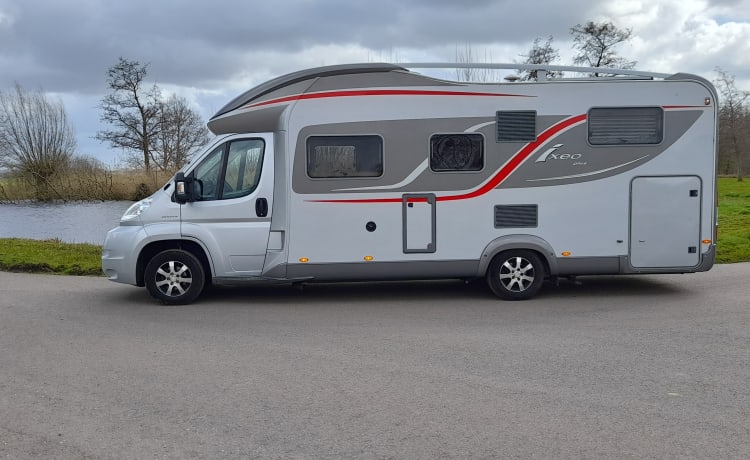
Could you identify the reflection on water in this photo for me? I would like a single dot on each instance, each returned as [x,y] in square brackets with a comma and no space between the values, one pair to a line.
[80,222]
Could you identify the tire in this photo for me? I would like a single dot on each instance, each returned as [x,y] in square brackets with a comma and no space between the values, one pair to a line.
[175,277]
[517,274]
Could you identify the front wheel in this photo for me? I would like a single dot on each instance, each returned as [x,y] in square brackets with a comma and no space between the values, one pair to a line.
[174,277]
[516,274]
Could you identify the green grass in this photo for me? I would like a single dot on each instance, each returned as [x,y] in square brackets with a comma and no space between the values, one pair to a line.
[53,256]
[50,256]
[733,243]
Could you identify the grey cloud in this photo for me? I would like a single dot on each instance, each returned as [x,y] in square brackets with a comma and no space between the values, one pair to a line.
[67,46]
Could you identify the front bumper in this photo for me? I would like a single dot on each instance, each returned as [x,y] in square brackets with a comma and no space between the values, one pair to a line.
[120,253]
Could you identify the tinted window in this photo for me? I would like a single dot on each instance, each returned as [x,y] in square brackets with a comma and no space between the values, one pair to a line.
[456,152]
[626,125]
[344,156]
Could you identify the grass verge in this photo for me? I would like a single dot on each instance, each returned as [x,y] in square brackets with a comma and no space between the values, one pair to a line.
[50,256]
[54,256]
[733,242]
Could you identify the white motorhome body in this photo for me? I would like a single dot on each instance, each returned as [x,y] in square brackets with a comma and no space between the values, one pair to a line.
[372,172]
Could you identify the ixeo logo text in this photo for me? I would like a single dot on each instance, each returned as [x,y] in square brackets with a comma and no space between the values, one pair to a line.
[552,154]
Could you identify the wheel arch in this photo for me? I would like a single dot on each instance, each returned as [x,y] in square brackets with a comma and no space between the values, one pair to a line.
[529,242]
[154,248]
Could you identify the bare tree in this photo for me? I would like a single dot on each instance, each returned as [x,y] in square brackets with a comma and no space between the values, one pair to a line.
[596,43]
[467,56]
[734,121]
[540,54]
[152,130]
[132,111]
[36,140]
[181,131]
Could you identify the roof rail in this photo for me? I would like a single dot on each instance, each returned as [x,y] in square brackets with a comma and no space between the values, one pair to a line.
[542,69]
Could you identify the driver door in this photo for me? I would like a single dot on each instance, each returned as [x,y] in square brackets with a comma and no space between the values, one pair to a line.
[231,216]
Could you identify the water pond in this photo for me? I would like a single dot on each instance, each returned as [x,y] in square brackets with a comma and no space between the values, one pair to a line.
[76,222]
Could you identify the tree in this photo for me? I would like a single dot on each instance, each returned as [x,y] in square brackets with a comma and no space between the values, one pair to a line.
[734,121]
[540,54]
[132,111]
[181,131]
[36,140]
[151,129]
[596,43]
[475,74]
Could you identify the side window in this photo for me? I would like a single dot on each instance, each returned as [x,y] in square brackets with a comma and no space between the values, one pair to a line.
[344,156]
[207,175]
[456,152]
[230,171]
[626,125]
[243,168]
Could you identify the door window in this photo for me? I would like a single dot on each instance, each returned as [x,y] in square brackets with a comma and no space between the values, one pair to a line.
[243,168]
[207,175]
[232,170]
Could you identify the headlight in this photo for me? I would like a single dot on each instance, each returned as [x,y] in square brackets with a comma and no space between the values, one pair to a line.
[136,210]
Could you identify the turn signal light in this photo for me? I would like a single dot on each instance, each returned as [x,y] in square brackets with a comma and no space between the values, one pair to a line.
[304,260]
[368,258]
[706,241]
[566,253]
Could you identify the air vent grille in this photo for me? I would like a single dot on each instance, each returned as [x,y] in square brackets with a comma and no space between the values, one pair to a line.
[516,126]
[516,216]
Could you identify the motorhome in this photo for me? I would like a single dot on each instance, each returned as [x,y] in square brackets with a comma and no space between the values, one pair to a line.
[376,172]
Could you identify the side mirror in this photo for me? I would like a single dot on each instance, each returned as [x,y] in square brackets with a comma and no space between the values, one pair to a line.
[183,188]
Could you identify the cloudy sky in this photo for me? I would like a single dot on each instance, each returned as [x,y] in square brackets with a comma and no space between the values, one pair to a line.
[209,52]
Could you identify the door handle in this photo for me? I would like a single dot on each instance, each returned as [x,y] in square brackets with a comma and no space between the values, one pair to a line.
[261,207]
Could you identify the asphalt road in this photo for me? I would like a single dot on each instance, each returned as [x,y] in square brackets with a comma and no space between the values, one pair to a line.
[649,366]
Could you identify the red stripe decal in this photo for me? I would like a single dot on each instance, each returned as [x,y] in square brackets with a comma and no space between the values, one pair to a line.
[500,176]
[376,92]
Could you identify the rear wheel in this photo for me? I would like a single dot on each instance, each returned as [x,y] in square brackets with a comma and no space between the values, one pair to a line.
[174,277]
[517,274]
